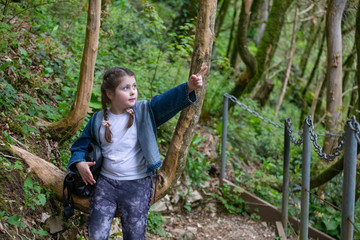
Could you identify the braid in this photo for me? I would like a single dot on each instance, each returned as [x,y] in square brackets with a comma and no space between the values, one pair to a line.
[104,100]
[131,120]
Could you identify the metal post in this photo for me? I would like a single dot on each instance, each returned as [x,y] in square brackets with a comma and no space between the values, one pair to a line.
[305,183]
[285,196]
[224,137]
[349,181]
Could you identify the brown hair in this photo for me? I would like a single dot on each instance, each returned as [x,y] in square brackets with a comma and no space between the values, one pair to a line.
[111,79]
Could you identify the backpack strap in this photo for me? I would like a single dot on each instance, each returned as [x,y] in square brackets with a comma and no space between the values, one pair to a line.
[68,202]
[95,125]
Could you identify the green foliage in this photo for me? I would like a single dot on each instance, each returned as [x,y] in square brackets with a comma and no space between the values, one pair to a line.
[196,166]
[155,222]
[34,194]
[231,199]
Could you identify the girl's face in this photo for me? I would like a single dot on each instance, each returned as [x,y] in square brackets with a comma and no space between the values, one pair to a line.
[124,96]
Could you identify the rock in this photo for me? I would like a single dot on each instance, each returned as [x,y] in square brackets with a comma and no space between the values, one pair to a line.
[44,217]
[55,224]
[70,234]
[194,196]
[159,206]
[178,233]
[190,233]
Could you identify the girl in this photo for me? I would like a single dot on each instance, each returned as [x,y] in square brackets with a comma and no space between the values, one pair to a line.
[126,131]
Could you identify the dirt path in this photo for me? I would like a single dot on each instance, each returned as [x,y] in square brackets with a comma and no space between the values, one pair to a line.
[196,225]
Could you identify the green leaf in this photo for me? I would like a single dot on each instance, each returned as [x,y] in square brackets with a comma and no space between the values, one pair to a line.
[14,220]
[4,65]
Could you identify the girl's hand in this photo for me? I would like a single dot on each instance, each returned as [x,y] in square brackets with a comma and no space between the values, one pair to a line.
[85,173]
[195,80]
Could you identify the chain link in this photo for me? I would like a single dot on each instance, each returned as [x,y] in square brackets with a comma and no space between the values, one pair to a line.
[291,133]
[313,136]
[354,125]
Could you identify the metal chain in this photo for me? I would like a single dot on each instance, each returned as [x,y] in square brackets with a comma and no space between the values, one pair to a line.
[326,157]
[313,136]
[254,113]
[291,131]
[354,125]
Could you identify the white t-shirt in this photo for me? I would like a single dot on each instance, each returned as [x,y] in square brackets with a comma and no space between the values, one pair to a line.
[123,157]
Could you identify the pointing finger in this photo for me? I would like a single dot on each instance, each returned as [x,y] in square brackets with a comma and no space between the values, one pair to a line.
[202,70]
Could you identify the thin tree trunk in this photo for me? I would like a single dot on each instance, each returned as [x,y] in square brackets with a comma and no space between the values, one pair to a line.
[264,15]
[242,45]
[334,70]
[288,68]
[316,97]
[221,16]
[68,126]
[232,51]
[310,79]
[175,160]
[314,33]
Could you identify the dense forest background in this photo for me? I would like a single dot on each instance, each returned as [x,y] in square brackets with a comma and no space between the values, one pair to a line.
[281,58]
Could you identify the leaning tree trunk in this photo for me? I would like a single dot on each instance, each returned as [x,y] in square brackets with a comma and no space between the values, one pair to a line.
[334,70]
[68,126]
[175,160]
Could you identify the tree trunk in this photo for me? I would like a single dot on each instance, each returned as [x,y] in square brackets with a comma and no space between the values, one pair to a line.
[316,97]
[221,16]
[334,71]
[68,126]
[242,40]
[327,174]
[261,95]
[260,13]
[232,53]
[266,50]
[304,106]
[175,160]
[288,68]
[313,36]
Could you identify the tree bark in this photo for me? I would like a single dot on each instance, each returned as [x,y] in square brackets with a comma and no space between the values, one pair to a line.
[334,70]
[260,13]
[68,126]
[288,68]
[175,160]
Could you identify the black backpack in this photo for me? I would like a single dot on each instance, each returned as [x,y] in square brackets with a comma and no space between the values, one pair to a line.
[74,183]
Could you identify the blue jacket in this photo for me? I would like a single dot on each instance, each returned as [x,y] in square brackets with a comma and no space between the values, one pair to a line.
[149,115]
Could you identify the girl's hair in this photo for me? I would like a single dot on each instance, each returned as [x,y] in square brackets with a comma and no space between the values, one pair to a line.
[111,79]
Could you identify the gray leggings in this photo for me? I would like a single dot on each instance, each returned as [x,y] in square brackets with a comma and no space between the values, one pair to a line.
[131,198]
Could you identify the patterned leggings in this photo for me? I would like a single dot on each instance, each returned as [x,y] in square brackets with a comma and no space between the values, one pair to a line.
[131,198]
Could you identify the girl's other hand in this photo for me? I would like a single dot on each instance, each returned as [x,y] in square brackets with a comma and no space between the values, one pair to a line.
[195,80]
[85,173]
